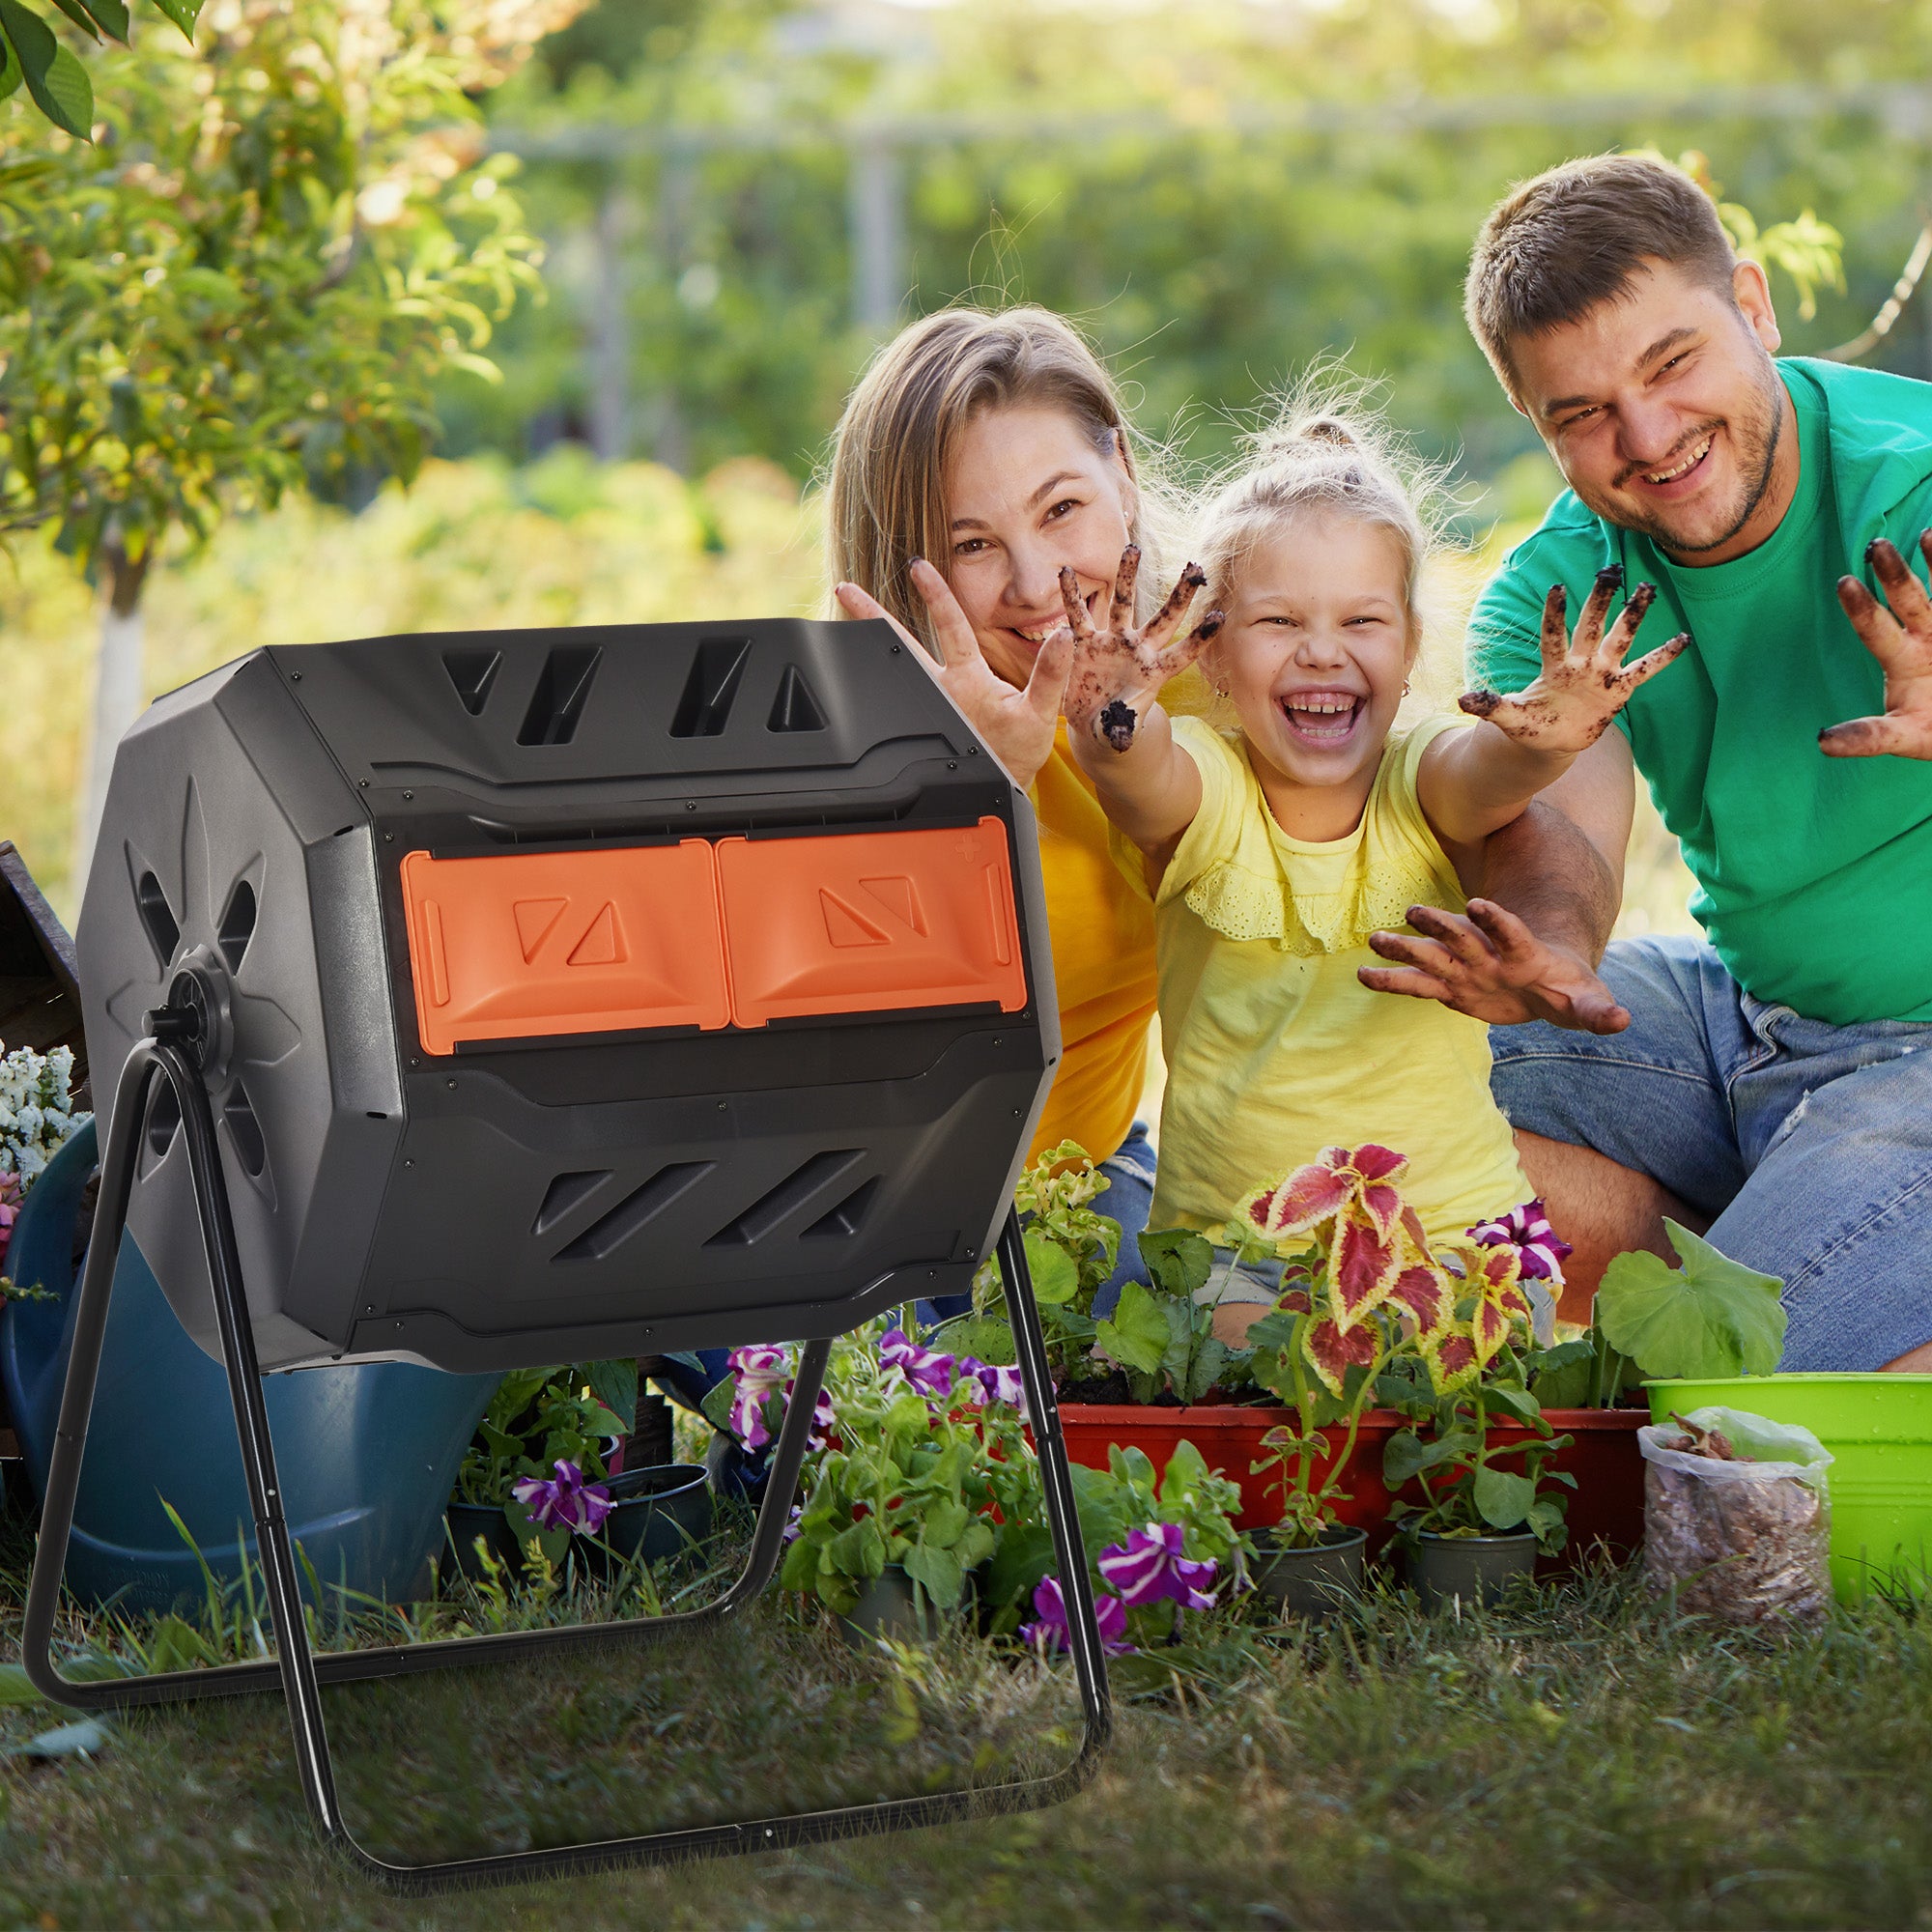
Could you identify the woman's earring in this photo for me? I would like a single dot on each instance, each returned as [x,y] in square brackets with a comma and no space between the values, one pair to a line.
[1405,686]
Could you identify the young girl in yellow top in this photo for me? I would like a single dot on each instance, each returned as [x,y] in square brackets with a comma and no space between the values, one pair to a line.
[1273,852]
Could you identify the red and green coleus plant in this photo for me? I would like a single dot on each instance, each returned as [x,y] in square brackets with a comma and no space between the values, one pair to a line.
[1484,1371]
[1360,1290]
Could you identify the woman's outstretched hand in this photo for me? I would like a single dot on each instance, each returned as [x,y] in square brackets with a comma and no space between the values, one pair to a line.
[1017,725]
[1584,681]
[1119,672]
[1898,634]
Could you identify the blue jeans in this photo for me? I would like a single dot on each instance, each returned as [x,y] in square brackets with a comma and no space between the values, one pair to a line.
[1809,1145]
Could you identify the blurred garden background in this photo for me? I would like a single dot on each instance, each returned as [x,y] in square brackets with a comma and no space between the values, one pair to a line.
[385,315]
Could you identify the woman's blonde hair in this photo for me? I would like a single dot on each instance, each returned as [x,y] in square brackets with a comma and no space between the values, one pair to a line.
[887,470]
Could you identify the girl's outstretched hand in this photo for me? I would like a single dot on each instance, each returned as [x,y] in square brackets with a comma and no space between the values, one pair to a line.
[1584,681]
[1119,672]
[1016,723]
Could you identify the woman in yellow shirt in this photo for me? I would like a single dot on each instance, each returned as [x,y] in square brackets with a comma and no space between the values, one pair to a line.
[978,455]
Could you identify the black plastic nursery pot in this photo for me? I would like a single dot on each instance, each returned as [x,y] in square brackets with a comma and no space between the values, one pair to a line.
[889,1606]
[1312,1581]
[1477,1569]
[654,1513]
[657,1511]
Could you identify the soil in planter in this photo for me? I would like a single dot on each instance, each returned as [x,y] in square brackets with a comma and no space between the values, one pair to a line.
[1115,1388]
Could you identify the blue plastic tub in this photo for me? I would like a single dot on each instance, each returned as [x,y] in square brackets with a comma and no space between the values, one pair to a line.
[367,1456]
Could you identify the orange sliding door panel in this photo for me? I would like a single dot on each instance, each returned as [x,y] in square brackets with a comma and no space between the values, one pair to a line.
[869,922]
[524,944]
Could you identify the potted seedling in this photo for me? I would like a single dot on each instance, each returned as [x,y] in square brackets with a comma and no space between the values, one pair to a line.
[539,1471]
[1360,1290]
[1489,1501]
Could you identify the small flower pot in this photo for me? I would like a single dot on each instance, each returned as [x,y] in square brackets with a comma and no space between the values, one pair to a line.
[888,1606]
[466,1522]
[654,1513]
[1477,1569]
[1314,1581]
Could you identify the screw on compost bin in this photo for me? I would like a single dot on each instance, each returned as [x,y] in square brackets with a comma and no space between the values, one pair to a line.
[408,794]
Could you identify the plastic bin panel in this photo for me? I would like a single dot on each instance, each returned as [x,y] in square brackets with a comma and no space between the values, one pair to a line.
[871,921]
[528,943]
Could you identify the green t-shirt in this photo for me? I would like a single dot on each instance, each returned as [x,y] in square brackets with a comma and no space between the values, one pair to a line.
[1814,875]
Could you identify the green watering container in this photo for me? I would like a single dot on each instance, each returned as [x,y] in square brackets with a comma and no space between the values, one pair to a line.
[1880,1429]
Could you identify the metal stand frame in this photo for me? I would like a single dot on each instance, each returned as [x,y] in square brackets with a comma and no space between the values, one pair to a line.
[170,1051]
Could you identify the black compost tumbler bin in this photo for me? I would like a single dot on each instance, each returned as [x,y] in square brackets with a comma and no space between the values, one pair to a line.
[505,998]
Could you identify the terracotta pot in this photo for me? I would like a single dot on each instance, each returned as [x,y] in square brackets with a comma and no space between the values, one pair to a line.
[1605,1506]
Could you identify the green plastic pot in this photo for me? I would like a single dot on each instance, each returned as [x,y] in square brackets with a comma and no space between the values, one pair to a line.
[1879,1428]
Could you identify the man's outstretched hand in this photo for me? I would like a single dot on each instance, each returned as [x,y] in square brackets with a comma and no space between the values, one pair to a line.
[1898,634]
[1493,968]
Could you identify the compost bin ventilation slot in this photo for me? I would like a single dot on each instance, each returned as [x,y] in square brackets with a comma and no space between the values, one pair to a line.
[558,702]
[245,1131]
[843,1220]
[472,673]
[638,1208]
[793,1192]
[794,708]
[237,925]
[163,929]
[711,688]
[564,1193]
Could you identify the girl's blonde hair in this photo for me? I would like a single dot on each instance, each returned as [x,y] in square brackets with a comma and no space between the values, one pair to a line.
[1326,453]
[887,470]
[1326,450]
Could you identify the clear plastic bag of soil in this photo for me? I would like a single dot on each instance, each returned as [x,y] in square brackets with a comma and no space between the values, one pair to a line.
[1740,1522]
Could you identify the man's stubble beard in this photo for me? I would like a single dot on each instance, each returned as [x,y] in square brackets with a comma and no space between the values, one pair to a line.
[1757,438]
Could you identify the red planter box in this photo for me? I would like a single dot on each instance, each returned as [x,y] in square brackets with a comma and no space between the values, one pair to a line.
[1606,1505]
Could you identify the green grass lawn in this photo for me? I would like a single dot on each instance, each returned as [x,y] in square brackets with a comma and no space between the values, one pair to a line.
[1580,1757]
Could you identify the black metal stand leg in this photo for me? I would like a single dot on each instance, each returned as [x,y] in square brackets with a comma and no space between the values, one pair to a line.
[302,1673]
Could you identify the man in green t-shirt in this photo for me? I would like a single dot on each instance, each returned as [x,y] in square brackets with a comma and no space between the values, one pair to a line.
[1766,1082]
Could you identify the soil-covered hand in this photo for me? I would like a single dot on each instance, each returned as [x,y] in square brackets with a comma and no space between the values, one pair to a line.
[1118,672]
[1017,723]
[1584,681]
[1898,634]
[1493,968]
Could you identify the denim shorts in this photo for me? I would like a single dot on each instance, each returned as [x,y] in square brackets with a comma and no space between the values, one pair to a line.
[1809,1145]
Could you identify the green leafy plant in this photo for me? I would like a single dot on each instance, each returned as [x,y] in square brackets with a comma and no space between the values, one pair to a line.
[1071,1251]
[537,1418]
[1709,1316]
[1159,1336]
[57,83]
[1468,1485]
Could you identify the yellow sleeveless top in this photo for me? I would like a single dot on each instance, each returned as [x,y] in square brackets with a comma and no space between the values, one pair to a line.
[1274,1049]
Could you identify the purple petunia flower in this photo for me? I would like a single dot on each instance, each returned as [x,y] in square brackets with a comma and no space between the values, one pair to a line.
[1150,1566]
[763,1370]
[760,1372]
[925,1368]
[1526,1229]
[1051,1630]
[564,1501]
[994,1385]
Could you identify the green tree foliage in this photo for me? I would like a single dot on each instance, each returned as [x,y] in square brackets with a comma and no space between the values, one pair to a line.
[1219,194]
[56,83]
[254,278]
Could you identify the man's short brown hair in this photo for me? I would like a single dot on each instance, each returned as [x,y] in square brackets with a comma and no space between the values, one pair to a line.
[1554,247]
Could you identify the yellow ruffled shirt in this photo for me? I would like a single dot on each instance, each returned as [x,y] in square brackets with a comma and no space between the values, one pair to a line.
[1274,1049]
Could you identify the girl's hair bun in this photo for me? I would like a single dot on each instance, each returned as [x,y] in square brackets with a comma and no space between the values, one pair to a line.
[1327,429]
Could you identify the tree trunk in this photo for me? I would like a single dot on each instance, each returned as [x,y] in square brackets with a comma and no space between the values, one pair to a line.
[117,698]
